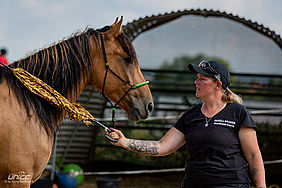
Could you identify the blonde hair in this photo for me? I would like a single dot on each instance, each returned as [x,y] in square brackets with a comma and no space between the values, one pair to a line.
[230,97]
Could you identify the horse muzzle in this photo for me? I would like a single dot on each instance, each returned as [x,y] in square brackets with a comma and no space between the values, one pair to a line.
[139,111]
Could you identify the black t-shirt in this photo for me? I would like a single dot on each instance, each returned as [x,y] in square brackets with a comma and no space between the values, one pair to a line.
[216,156]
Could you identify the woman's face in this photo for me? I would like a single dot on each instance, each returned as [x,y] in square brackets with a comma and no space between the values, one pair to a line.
[205,86]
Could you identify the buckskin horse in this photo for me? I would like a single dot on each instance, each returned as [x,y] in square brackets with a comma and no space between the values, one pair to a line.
[28,122]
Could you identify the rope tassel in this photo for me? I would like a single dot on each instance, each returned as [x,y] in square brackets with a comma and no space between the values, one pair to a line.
[75,111]
[37,86]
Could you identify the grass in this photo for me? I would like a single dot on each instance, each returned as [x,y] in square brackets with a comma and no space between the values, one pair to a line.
[163,180]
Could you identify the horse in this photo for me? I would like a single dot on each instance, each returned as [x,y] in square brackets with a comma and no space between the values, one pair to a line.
[28,123]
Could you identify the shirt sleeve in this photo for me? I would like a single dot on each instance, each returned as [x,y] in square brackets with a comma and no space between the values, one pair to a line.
[246,119]
[179,125]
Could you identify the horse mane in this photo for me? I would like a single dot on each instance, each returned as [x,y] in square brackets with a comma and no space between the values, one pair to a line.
[62,66]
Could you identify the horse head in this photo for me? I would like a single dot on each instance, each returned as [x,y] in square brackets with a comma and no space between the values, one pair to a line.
[123,74]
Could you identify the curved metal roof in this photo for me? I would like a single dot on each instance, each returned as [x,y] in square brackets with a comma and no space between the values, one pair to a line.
[136,27]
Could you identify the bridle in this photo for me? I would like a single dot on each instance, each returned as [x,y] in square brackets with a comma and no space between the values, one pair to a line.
[105,78]
[103,89]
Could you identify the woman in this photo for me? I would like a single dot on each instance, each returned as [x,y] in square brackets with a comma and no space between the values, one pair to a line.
[219,133]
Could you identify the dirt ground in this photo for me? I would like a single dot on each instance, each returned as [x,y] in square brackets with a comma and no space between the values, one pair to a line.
[164,180]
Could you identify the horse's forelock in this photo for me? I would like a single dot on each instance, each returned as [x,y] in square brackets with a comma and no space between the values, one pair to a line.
[128,47]
[104,29]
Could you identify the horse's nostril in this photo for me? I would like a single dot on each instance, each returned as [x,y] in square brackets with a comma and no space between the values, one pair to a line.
[150,107]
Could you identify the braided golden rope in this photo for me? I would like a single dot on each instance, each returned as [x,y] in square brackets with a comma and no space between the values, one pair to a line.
[37,86]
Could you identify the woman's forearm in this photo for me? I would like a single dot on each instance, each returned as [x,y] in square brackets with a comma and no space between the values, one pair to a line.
[145,147]
[252,152]
[169,143]
[257,171]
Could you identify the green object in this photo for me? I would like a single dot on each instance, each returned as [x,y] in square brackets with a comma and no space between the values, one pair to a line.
[76,171]
[143,83]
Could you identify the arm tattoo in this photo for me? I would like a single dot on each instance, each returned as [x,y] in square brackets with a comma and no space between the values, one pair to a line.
[144,147]
[254,173]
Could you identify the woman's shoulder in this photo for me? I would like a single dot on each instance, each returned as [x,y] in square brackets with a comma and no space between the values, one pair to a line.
[237,108]
[235,105]
[193,110]
[196,107]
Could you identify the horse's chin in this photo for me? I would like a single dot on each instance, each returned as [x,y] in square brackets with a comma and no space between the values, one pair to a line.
[131,118]
[135,115]
[139,110]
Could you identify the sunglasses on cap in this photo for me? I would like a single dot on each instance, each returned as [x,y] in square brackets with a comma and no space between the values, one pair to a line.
[207,67]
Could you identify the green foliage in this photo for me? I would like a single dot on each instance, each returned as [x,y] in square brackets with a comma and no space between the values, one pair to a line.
[180,64]
[270,139]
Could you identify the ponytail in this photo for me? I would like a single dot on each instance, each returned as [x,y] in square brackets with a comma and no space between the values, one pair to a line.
[230,97]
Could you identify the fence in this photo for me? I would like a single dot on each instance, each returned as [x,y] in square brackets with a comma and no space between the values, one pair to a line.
[173,93]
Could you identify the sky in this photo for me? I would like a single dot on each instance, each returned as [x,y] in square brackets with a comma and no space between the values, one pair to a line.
[27,25]
[243,49]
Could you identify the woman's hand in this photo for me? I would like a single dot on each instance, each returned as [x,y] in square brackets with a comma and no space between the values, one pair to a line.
[117,135]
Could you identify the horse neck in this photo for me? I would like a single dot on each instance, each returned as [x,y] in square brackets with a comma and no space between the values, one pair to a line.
[65,67]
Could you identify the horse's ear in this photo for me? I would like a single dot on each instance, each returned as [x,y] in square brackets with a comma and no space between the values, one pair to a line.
[116,27]
[115,21]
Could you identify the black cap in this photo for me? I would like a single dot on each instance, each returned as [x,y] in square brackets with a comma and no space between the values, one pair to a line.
[213,69]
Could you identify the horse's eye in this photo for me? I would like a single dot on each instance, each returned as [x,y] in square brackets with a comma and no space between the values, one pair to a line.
[127,59]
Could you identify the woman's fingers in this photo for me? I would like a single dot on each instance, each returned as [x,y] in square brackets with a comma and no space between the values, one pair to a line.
[115,134]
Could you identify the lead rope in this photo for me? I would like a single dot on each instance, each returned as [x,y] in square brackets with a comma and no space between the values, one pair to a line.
[6,66]
[113,106]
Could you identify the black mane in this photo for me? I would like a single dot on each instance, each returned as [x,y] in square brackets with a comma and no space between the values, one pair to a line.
[61,66]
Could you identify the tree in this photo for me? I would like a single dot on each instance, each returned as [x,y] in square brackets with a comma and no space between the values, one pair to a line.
[180,64]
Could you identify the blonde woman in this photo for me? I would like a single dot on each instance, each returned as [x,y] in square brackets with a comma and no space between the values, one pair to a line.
[219,133]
